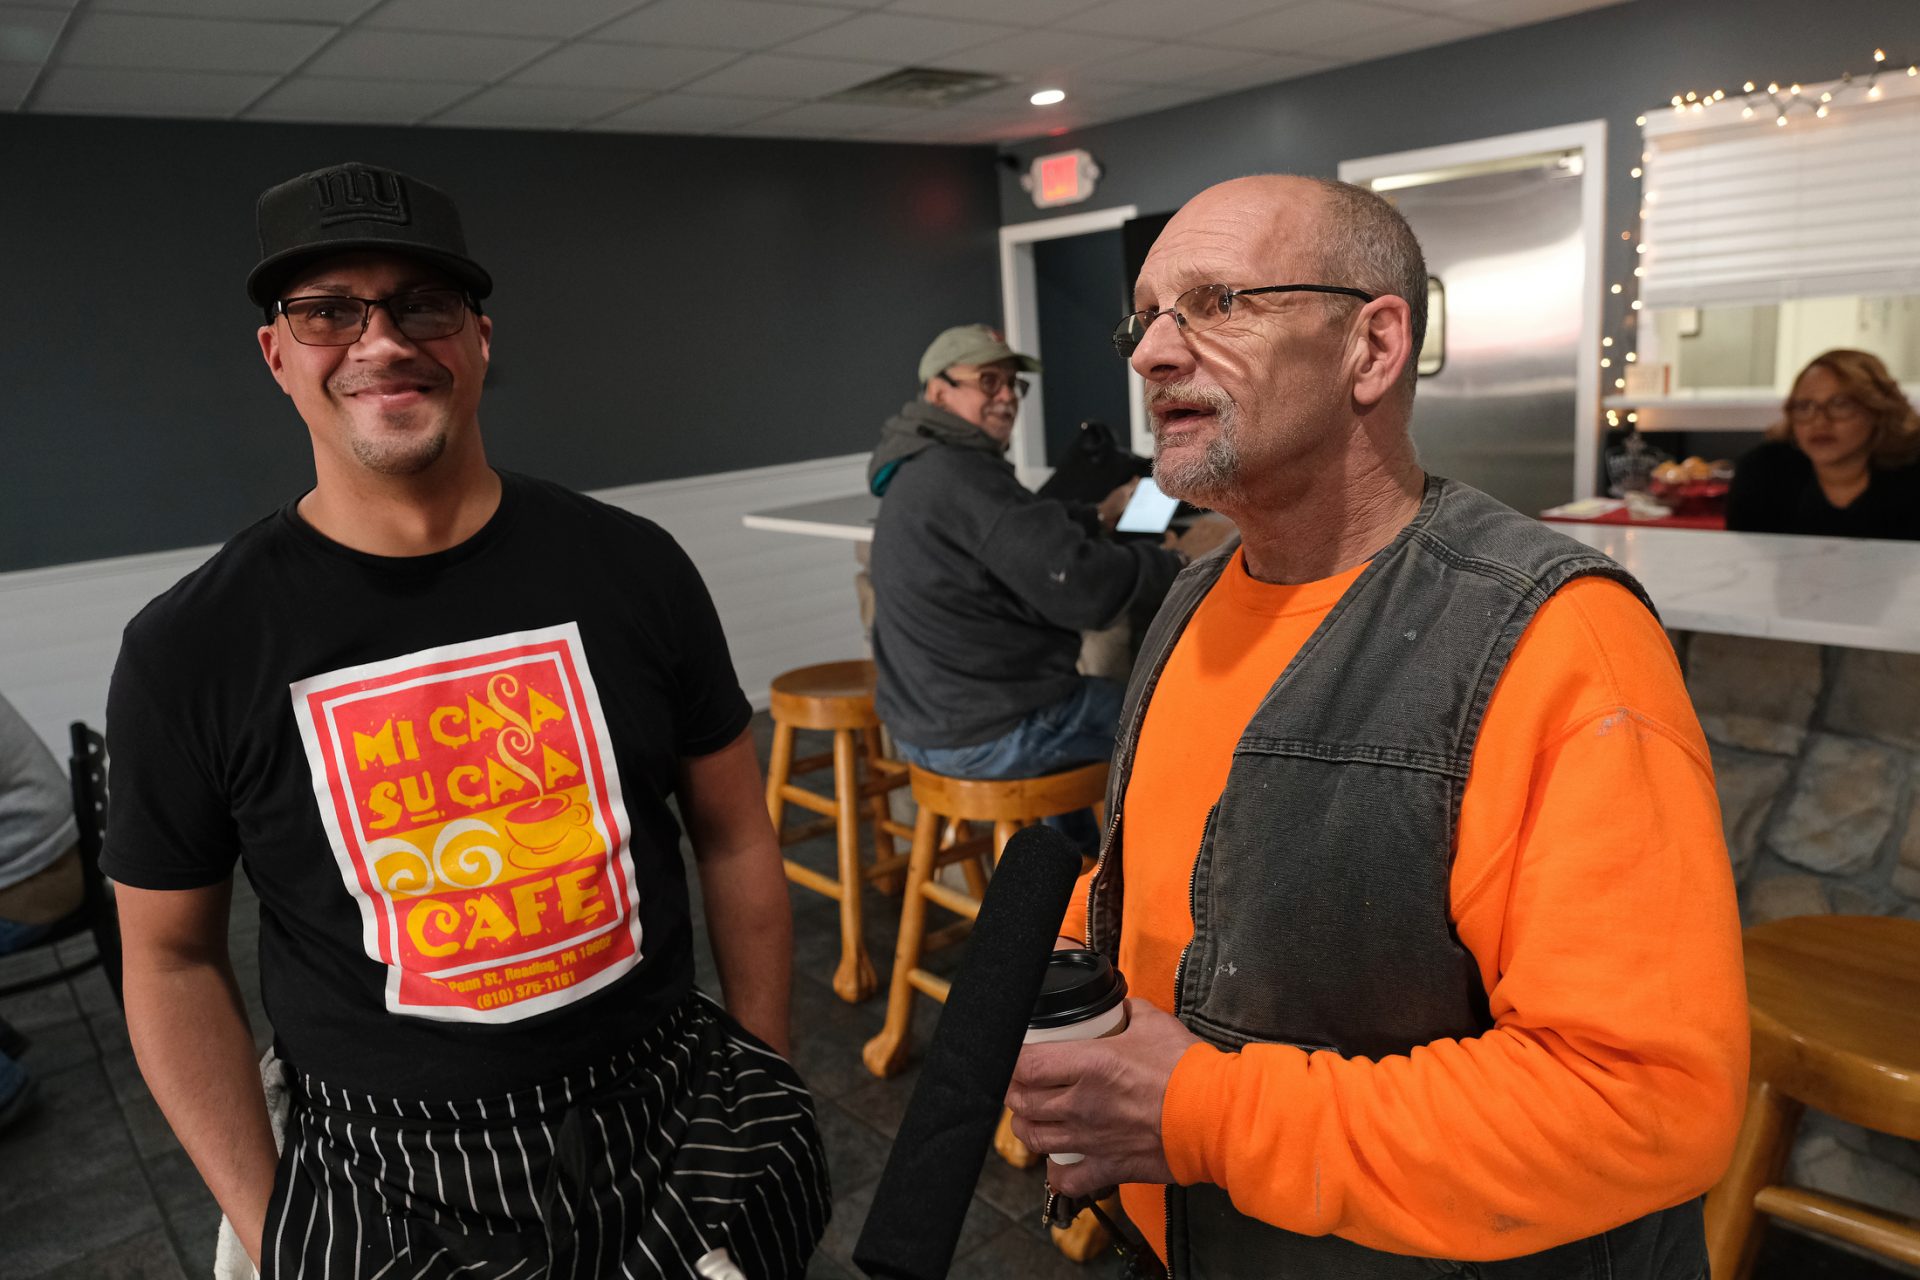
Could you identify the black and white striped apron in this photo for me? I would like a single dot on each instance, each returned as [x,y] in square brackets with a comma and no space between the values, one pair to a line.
[698,1138]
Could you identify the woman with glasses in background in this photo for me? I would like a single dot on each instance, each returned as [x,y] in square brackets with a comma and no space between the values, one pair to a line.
[1841,463]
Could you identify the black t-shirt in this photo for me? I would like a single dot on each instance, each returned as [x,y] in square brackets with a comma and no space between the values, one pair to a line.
[1775,490]
[448,778]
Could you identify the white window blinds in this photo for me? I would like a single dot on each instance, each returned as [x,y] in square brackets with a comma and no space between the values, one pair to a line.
[1747,212]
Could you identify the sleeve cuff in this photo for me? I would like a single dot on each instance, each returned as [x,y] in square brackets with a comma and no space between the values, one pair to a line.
[1194,1113]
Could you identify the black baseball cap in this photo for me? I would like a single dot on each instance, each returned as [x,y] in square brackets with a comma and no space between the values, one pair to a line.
[357,206]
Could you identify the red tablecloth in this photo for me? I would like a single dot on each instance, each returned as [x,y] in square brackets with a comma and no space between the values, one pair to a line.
[1664,522]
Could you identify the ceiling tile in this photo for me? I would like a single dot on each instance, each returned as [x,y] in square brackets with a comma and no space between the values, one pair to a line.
[189,44]
[15,79]
[972,130]
[841,117]
[688,113]
[1177,64]
[251,10]
[721,24]
[1041,52]
[1156,98]
[533,107]
[1421,33]
[127,92]
[27,35]
[499,17]
[1302,26]
[1151,19]
[1036,13]
[1081,92]
[1268,69]
[893,38]
[770,75]
[622,66]
[1515,13]
[395,101]
[413,55]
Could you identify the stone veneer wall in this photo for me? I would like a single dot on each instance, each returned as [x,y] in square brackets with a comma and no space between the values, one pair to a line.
[1816,751]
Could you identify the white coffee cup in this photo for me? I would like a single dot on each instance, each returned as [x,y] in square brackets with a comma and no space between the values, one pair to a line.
[1082,997]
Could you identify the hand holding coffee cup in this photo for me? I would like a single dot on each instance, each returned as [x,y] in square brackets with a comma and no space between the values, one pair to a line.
[1082,997]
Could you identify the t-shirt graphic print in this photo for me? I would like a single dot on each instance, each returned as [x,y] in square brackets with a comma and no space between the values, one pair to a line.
[473,804]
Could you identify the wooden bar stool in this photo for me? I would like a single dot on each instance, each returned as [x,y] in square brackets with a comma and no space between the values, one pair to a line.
[837,697]
[1835,1010]
[1008,804]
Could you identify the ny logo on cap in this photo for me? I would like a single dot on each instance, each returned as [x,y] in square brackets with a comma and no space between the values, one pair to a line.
[360,195]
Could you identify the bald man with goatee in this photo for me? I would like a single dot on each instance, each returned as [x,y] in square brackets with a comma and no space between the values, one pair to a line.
[1414,864]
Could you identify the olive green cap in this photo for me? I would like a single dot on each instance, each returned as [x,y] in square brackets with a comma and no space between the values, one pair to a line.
[969,344]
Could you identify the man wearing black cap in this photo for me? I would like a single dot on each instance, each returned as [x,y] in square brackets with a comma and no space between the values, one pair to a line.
[438,711]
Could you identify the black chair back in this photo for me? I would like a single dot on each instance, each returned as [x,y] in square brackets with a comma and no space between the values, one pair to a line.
[87,770]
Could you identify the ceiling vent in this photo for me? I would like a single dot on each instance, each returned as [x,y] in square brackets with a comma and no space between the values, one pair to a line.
[920,87]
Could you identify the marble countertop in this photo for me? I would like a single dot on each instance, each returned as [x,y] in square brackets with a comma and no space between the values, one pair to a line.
[850,517]
[1857,592]
[1861,593]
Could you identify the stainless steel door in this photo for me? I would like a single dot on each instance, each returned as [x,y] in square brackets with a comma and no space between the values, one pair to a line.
[1507,249]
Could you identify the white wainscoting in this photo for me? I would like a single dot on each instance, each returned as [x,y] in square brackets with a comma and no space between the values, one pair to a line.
[784,600]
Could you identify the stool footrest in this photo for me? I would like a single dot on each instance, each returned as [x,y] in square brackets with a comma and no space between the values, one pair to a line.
[960,904]
[808,878]
[813,800]
[927,984]
[946,936]
[807,831]
[885,867]
[1857,1224]
[810,764]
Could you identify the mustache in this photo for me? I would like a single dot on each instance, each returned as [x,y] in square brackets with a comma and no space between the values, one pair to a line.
[1213,399]
[391,378]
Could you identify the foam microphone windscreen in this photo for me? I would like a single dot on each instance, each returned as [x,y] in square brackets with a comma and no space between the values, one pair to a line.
[923,1195]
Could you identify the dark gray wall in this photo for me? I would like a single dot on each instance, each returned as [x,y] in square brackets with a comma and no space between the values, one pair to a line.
[663,307]
[1612,63]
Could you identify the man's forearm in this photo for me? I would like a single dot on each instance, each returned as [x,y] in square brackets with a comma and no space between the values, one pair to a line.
[190,1036]
[750,924]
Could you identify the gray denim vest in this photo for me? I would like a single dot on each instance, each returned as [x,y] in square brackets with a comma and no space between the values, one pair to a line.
[1320,891]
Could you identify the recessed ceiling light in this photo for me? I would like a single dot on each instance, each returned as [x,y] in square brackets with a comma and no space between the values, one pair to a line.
[1047,97]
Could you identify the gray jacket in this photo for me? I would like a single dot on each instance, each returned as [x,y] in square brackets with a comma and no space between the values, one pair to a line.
[981,587]
[1320,888]
[36,804]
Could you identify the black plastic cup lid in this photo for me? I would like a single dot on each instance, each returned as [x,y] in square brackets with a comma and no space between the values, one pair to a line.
[1079,985]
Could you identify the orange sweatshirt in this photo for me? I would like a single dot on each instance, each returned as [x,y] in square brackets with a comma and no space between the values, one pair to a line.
[1592,887]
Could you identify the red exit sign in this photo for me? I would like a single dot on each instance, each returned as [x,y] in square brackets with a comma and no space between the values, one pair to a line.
[1066,177]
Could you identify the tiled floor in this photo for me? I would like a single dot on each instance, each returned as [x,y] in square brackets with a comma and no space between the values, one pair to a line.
[93,1186]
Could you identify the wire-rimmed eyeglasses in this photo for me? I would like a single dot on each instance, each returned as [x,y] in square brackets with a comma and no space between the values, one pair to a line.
[990,382]
[1206,305]
[338,320]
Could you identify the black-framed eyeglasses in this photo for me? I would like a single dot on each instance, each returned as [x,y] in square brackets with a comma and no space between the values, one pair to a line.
[1206,305]
[990,382]
[337,320]
[1833,409]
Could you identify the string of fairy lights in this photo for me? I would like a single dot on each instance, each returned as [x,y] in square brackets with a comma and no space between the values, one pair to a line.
[1779,101]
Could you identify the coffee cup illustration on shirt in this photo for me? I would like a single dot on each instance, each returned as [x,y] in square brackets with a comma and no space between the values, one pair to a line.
[548,831]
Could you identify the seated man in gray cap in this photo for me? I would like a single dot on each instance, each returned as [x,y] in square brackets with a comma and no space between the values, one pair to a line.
[438,712]
[982,588]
